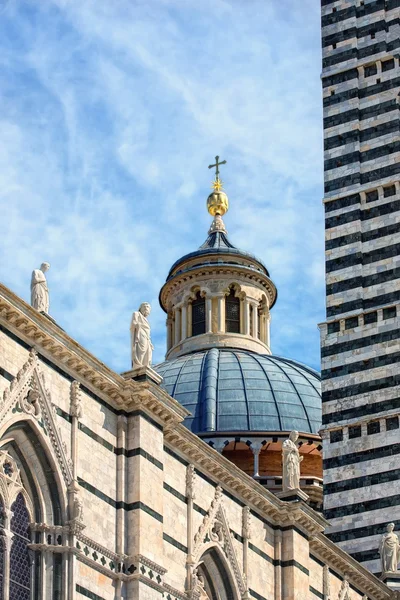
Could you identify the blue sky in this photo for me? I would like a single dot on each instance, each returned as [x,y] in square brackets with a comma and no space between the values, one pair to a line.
[110,113]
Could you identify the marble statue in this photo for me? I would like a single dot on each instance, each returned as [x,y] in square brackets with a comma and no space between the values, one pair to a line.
[389,549]
[141,346]
[39,289]
[291,463]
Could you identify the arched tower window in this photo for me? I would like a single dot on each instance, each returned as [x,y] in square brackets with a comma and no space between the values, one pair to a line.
[20,572]
[198,315]
[232,313]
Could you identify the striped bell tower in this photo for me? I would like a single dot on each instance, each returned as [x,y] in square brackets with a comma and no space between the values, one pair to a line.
[361,335]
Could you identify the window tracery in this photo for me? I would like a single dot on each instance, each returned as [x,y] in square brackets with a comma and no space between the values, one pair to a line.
[15,519]
[20,572]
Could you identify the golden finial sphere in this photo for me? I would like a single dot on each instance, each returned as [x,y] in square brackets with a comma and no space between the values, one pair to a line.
[217,203]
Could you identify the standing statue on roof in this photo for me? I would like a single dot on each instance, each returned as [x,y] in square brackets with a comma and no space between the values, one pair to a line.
[141,346]
[291,463]
[39,289]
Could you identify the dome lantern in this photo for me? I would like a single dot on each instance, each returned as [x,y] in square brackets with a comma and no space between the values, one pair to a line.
[217,296]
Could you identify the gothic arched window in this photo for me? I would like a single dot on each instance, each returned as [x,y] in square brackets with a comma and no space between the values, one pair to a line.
[20,572]
[198,315]
[232,313]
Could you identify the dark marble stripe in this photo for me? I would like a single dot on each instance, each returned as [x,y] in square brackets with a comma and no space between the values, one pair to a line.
[361,388]
[362,456]
[175,456]
[361,411]
[175,543]
[360,532]
[364,342]
[361,507]
[119,504]
[363,304]
[6,374]
[363,365]
[256,595]
[316,593]
[87,593]
[360,482]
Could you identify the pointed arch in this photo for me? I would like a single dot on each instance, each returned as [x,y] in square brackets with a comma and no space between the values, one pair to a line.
[215,576]
[42,478]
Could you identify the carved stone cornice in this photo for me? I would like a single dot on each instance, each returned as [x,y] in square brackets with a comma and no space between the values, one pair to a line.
[237,482]
[48,339]
[356,575]
[242,272]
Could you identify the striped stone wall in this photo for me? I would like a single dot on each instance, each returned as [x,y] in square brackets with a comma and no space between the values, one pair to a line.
[360,339]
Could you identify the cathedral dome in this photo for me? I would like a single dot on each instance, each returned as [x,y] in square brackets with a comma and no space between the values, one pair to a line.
[229,390]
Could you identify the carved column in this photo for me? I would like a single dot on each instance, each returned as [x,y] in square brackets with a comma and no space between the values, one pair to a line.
[326,583]
[246,534]
[254,318]
[267,330]
[246,307]
[221,312]
[7,537]
[169,332]
[256,448]
[208,315]
[190,494]
[184,322]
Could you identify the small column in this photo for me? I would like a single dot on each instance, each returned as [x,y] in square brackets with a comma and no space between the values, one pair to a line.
[221,313]
[208,315]
[7,541]
[256,448]
[169,333]
[246,534]
[246,307]
[255,319]
[177,325]
[184,322]
[267,330]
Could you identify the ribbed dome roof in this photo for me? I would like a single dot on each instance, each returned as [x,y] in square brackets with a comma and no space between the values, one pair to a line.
[236,390]
[216,244]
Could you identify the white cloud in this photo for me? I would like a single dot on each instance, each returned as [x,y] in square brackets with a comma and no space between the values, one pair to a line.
[111,113]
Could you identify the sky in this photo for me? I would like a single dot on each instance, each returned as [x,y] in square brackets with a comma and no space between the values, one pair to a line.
[111,112]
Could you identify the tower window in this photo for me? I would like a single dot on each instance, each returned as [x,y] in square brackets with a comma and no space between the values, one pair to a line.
[370,70]
[371,317]
[373,427]
[334,327]
[354,432]
[389,313]
[198,315]
[387,65]
[232,313]
[336,436]
[372,196]
[392,423]
[389,191]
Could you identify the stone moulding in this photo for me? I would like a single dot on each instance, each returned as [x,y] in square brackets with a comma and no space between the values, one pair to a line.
[173,285]
[356,575]
[42,334]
